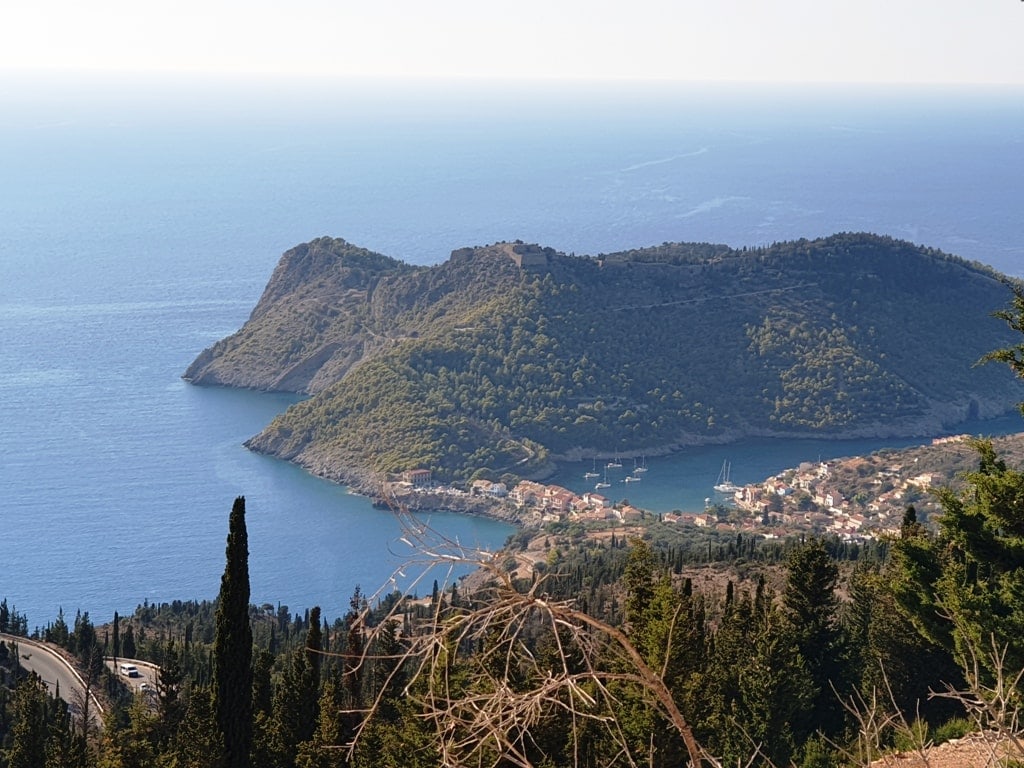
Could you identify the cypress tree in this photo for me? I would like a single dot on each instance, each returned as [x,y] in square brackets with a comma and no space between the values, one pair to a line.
[314,643]
[232,646]
[117,637]
[128,649]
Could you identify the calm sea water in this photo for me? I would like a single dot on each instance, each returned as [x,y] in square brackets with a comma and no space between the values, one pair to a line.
[685,480]
[139,222]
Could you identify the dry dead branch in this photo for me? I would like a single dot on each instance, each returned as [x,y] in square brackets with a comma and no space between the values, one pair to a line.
[485,713]
[992,700]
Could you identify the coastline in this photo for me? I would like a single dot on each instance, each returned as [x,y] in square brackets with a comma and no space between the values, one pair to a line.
[936,423]
[386,495]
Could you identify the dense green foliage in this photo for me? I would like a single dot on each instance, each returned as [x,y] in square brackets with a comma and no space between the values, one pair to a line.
[477,366]
[756,670]
[964,588]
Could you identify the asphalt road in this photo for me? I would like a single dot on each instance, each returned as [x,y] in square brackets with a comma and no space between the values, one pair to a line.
[148,674]
[54,671]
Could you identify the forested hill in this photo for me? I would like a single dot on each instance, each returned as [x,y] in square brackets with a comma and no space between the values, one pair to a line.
[507,355]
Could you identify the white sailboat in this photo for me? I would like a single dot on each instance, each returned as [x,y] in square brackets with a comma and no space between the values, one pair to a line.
[593,473]
[604,483]
[614,463]
[724,484]
[641,467]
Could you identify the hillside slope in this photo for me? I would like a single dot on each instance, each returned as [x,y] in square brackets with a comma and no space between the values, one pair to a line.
[507,355]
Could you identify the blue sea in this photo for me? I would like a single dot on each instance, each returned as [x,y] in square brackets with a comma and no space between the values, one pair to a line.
[140,219]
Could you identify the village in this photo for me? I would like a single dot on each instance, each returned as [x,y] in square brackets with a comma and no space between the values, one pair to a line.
[856,498]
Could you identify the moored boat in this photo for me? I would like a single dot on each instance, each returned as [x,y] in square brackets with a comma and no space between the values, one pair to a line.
[724,484]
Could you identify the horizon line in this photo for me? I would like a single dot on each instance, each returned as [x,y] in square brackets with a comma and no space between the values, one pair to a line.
[503,79]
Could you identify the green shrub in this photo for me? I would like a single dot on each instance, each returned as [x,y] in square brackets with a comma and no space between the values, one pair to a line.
[956,728]
[911,738]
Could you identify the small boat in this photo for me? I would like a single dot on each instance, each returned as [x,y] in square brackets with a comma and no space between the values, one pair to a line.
[614,464]
[593,473]
[632,479]
[724,484]
[641,467]
[604,483]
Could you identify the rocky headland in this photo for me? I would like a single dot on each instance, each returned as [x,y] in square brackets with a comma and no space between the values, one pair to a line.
[506,358]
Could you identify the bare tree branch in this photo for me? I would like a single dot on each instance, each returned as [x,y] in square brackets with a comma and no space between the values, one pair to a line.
[487,715]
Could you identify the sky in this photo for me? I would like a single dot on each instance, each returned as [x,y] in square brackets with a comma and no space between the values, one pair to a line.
[865,41]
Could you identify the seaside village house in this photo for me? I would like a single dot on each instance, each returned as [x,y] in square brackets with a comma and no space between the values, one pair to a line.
[490,489]
[552,502]
[417,478]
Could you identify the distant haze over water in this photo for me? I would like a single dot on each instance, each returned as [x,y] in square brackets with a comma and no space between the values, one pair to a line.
[141,220]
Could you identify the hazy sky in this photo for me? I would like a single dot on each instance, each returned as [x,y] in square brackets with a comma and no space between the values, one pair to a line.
[747,40]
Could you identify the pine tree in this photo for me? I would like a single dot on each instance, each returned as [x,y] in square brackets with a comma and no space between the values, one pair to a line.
[28,728]
[324,749]
[171,707]
[262,690]
[812,613]
[232,646]
[84,636]
[59,633]
[65,748]
[638,580]
[198,743]
[295,703]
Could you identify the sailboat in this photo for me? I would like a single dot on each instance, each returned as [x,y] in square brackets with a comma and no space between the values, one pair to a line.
[724,484]
[614,463]
[641,467]
[593,473]
[604,483]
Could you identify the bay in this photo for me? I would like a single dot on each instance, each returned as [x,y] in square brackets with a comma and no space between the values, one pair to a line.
[684,481]
[141,219]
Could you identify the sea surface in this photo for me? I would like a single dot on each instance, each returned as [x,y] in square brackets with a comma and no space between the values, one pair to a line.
[685,480]
[141,218]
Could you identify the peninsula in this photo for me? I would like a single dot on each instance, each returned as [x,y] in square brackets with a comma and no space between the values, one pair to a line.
[508,357]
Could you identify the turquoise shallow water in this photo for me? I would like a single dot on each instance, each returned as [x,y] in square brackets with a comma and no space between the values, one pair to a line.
[140,223]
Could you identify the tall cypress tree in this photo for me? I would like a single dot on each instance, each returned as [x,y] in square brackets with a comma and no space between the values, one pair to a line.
[232,646]
[116,649]
[314,643]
